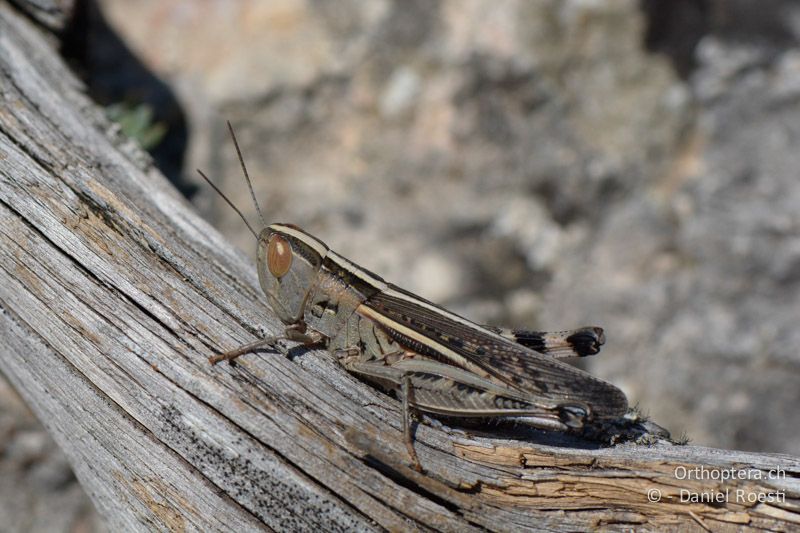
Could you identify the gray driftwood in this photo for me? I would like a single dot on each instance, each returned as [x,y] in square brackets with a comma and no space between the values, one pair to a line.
[113,293]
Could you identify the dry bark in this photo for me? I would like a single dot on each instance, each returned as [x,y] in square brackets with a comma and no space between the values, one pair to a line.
[52,14]
[113,293]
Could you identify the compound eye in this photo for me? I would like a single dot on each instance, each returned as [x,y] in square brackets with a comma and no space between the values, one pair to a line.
[279,256]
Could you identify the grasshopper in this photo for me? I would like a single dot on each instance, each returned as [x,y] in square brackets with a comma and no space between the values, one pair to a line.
[436,361]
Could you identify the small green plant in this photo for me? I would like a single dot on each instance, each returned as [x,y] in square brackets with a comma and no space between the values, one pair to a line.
[137,122]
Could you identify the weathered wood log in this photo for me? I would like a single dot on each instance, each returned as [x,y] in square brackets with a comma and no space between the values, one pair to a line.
[52,14]
[113,293]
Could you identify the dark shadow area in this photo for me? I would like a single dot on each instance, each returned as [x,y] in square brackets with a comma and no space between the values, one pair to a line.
[675,27]
[595,435]
[117,80]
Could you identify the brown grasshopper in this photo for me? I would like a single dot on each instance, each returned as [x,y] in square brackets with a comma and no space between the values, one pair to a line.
[436,361]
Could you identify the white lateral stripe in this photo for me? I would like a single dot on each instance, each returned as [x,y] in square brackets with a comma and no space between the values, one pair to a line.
[313,242]
[356,270]
[370,313]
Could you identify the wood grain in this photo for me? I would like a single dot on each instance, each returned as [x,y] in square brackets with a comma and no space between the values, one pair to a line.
[113,293]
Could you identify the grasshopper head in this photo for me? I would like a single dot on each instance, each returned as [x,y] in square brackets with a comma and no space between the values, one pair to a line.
[288,258]
[288,262]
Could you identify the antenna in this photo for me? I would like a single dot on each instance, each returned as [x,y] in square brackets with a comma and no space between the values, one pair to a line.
[229,202]
[246,175]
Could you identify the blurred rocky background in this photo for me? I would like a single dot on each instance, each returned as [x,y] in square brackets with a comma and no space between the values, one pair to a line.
[544,164]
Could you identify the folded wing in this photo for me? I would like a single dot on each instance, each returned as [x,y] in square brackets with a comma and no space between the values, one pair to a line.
[433,331]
